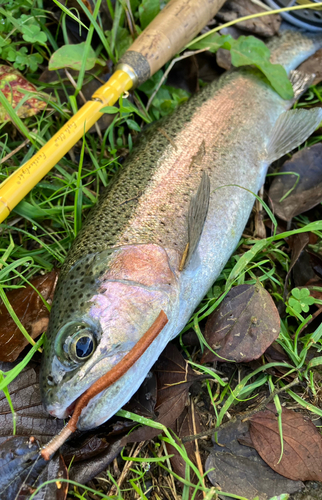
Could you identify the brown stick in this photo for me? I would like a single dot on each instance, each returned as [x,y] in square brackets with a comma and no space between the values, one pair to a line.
[106,381]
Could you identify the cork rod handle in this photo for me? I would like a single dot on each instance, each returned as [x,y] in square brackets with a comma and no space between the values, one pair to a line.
[175,26]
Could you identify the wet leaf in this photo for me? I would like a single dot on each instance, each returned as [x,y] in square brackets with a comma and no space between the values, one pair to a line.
[12,85]
[313,65]
[31,311]
[239,469]
[174,378]
[71,56]
[243,326]
[307,192]
[302,457]
[263,26]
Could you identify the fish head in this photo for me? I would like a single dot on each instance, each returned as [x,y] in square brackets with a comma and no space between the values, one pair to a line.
[102,306]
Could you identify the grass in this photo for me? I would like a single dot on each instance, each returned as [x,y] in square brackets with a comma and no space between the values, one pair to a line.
[40,231]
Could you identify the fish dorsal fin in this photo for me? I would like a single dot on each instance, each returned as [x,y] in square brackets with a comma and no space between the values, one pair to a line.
[197,214]
[291,129]
[300,82]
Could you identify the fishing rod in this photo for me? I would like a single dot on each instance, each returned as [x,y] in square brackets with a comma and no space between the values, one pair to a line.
[175,26]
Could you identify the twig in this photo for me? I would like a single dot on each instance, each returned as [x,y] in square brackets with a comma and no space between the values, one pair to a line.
[126,468]
[8,156]
[174,490]
[197,453]
[169,68]
[242,416]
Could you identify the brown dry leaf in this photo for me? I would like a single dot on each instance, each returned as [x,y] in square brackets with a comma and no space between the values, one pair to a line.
[308,191]
[239,469]
[263,26]
[223,58]
[31,417]
[184,75]
[313,65]
[12,81]
[144,400]
[302,457]
[297,242]
[174,378]
[31,311]
[243,326]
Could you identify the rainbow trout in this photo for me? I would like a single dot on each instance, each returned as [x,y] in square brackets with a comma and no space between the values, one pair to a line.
[126,264]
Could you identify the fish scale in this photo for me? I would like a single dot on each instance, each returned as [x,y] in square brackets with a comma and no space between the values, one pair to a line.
[123,267]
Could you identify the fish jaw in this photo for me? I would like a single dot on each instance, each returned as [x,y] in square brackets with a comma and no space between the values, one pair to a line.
[136,285]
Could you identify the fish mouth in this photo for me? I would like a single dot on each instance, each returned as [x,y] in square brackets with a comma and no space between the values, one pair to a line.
[63,413]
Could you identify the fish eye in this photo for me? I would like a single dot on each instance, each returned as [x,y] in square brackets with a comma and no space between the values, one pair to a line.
[81,346]
[75,342]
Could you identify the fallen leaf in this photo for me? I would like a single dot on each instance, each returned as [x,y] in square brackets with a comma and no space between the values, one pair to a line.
[79,449]
[174,378]
[144,400]
[302,271]
[83,472]
[239,469]
[297,242]
[185,75]
[31,417]
[307,192]
[264,26]
[11,81]
[313,65]
[316,263]
[223,59]
[31,311]
[243,326]
[302,456]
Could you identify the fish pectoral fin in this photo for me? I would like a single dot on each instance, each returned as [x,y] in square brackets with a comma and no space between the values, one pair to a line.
[291,129]
[300,82]
[197,214]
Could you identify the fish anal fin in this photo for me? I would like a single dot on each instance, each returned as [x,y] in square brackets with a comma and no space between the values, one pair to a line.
[197,214]
[291,129]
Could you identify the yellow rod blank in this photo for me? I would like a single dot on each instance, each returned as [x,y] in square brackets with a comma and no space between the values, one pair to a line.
[18,185]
